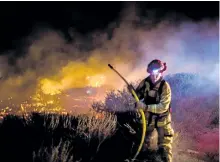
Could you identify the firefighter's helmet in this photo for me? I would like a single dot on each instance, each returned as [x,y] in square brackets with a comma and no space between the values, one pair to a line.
[156,66]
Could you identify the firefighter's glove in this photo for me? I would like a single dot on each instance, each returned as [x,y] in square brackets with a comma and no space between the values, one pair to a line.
[140,105]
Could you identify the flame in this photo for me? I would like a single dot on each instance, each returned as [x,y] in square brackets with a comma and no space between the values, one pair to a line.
[96,81]
[45,102]
[75,75]
[50,87]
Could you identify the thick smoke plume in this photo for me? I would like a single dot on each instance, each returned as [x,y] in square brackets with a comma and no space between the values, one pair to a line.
[129,44]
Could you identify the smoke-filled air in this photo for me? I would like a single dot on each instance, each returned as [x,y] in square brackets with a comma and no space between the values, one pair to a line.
[49,65]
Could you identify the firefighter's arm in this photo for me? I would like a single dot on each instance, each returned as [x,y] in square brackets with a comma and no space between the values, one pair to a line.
[163,106]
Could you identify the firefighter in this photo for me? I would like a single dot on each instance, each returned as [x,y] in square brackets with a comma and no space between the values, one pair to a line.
[155,99]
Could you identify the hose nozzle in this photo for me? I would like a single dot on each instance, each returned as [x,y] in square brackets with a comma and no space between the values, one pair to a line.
[110,66]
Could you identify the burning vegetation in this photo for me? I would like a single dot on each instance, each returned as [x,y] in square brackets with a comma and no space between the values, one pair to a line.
[51,97]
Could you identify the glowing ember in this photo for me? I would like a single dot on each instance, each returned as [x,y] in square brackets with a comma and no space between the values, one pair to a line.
[46,102]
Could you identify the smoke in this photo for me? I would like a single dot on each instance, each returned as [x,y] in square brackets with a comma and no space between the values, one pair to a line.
[129,44]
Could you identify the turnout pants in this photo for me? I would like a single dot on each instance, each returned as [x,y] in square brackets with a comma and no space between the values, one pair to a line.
[162,124]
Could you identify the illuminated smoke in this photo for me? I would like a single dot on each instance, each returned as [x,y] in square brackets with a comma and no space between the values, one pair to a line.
[52,65]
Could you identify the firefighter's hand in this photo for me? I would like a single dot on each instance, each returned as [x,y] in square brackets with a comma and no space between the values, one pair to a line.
[141,105]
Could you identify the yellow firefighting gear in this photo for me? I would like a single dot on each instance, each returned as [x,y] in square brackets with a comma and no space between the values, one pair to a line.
[157,97]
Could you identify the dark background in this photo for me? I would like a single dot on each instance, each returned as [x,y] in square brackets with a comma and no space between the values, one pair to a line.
[18,19]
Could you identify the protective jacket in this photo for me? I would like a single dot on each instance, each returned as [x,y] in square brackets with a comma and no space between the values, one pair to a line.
[157,96]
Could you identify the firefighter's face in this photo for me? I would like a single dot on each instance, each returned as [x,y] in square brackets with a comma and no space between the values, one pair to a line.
[155,76]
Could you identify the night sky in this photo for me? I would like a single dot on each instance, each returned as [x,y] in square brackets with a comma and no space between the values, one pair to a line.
[19,19]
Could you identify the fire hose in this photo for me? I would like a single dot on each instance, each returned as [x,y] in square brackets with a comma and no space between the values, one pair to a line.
[144,125]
